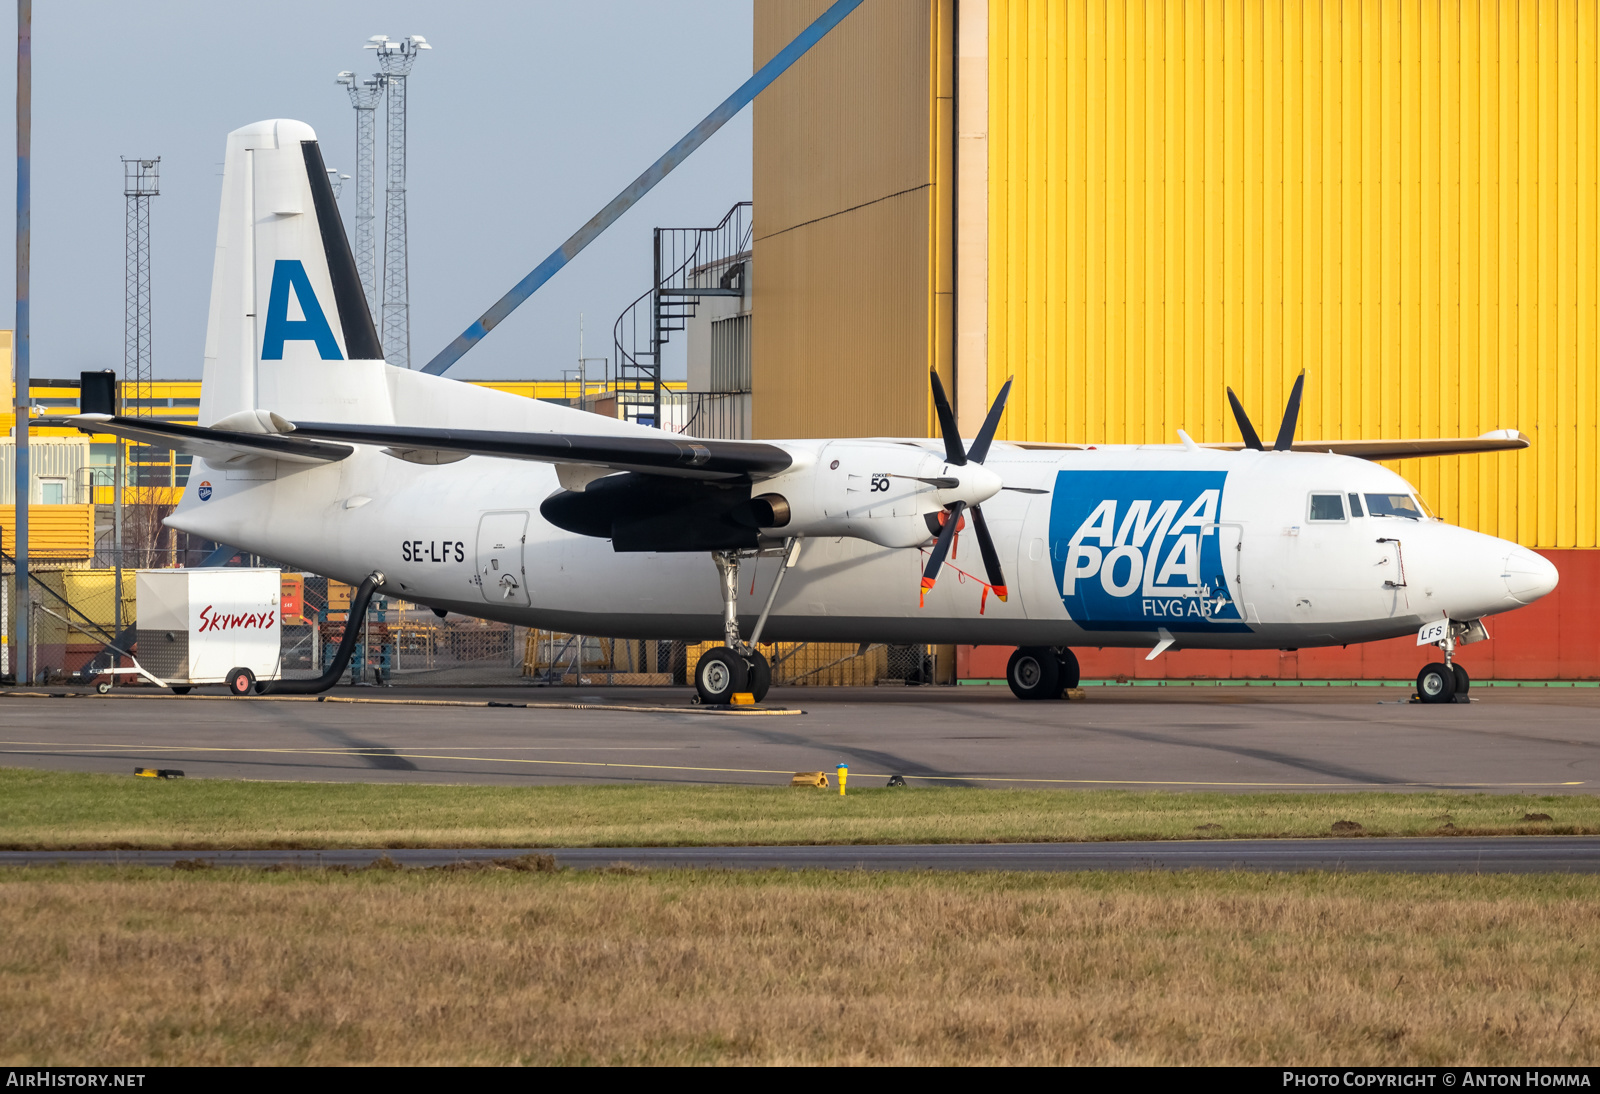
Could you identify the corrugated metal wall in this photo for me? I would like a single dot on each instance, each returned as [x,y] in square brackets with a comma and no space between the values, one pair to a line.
[851,189]
[63,458]
[1399,197]
[61,532]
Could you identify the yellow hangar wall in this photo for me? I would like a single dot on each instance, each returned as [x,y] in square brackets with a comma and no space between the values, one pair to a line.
[851,291]
[1399,198]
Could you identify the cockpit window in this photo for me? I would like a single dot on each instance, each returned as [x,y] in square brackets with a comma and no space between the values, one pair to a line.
[1327,507]
[1355,505]
[1393,505]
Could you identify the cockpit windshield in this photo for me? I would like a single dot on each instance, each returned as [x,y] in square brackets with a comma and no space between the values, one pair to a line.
[1393,505]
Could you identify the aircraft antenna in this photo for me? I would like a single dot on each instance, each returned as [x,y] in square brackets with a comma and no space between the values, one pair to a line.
[364,96]
[396,59]
[141,181]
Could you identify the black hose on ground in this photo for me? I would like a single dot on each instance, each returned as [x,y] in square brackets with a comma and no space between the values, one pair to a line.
[341,658]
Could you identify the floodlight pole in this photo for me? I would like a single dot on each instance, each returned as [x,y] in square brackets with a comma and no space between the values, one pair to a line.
[20,343]
[364,96]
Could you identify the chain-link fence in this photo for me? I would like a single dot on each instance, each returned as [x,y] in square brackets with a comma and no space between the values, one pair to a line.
[72,619]
[400,643]
[553,657]
[76,632]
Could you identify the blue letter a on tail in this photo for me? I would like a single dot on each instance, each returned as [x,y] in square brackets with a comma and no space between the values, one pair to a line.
[288,273]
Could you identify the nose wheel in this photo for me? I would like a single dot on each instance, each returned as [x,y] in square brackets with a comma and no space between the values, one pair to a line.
[1436,683]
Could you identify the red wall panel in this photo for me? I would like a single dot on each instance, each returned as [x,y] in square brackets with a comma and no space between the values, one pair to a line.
[1557,638]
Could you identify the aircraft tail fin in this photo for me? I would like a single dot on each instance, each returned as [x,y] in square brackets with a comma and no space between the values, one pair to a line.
[290,329]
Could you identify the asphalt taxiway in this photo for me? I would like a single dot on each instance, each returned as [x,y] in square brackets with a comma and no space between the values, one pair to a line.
[1451,855]
[1223,738]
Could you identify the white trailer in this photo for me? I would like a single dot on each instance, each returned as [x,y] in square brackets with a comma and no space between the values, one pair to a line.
[209,626]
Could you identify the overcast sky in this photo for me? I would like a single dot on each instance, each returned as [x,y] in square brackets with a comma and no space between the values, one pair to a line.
[524,119]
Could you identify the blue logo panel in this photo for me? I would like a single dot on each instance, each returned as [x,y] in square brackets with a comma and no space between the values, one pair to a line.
[288,273]
[1137,550]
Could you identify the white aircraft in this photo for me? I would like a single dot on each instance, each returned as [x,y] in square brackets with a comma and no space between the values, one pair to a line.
[468,500]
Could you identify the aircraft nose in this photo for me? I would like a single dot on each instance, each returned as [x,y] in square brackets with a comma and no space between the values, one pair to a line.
[1529,575]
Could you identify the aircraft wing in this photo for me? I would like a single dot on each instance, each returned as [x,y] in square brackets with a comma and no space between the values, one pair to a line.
[668,454]
[217,446]
[1497,440]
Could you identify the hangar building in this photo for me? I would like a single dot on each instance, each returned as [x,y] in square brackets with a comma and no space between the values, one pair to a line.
[1130,204]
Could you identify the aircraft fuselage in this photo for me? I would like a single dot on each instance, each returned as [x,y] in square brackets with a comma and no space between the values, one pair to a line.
[1221,549]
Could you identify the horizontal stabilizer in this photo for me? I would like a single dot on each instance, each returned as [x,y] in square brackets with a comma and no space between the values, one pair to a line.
[680,457]
[215,446]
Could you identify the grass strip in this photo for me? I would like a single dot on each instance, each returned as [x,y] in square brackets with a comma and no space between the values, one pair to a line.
[136,967]
[49,810]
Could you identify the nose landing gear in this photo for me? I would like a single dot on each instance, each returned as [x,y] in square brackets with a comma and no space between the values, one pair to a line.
[1445,681]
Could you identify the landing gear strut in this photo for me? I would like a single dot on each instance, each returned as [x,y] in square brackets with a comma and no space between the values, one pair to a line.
[739,666]
[1444,681]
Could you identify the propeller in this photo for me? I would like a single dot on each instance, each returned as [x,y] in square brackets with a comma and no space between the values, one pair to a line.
[1291,418]
[959,457]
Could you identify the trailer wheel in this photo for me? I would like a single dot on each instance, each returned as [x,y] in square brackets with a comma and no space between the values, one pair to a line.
[241,681]
[182,690]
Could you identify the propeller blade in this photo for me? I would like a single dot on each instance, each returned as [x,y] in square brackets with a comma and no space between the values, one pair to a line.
[1247,430]
[991,557]
[941,547]
[953,452]
[942,482]
[1025,489]
[1291,416]
[980,444]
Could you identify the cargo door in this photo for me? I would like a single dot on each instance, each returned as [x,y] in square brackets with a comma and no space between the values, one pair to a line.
[502,576]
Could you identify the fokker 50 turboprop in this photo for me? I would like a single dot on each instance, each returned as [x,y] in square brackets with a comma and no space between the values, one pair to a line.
[468,500]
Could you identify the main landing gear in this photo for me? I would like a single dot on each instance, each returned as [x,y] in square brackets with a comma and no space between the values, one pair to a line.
[1445,681]
[738,666]
[1042,672]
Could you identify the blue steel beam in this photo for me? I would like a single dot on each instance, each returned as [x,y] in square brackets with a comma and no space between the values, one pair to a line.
[641,186]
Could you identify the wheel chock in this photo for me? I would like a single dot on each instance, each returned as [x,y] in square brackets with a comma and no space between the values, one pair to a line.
[1075,694]
[742,699]
[817,779]
[158,772]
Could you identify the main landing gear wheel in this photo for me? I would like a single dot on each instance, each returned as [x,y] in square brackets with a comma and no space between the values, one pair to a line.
[760,675]
[1069,667]
[241,681]
[1034,672]
[720,674]
[1436,683]
[1463,681]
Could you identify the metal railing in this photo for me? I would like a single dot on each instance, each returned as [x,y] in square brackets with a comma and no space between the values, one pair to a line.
[687,264]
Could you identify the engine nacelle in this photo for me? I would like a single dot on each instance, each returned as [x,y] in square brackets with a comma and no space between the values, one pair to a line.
[886,492]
